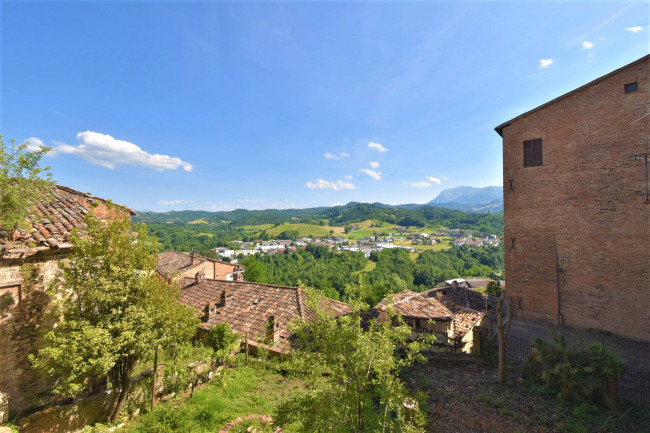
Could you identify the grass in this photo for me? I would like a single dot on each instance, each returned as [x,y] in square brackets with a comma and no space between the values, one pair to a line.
[420,248]
[369,267]
[243,390]
[199,221]
[306,230]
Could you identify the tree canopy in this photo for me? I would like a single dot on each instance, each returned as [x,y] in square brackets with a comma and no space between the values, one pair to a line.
[115,310]
[23,182]
[352,375]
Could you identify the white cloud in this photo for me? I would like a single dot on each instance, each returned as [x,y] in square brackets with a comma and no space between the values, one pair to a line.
[444,177]
[104,150]
[434,179]
[545,63]
[324,184]
[374,164]
[174,202]
[372,173]
[348,176]
[586,45]
[417,184]
[377,147]
[329,155]
[34,144]
[336,203]
[635,29]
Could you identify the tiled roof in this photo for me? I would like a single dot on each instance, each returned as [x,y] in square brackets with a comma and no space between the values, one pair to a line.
[411,304]
[464,318]
[249,305]
[52,221]
[467,298]
[172,262]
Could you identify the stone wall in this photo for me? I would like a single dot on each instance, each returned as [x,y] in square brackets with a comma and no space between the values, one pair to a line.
[577,228]
[23,320]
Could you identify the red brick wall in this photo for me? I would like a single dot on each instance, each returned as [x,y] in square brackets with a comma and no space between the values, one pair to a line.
[580,225]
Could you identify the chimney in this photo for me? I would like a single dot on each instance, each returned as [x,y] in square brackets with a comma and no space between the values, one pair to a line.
[196,258]
[224,297]
[206,313]
[454,284]
[271,330]
[198,277]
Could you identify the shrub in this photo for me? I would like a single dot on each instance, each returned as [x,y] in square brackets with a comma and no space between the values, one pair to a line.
[574,373]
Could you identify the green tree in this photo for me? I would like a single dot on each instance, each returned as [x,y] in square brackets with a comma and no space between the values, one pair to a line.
[351,375]
[23,182]
[221,340]
[115,311]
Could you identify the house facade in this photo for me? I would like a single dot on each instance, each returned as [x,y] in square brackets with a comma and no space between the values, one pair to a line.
[28,264]
[577,216]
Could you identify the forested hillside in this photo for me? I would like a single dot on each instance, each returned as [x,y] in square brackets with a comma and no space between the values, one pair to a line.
[347,275]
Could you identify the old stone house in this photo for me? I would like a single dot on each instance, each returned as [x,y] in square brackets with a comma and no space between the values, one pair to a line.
[577,214]
[433,312]
[28,265]
[259,312]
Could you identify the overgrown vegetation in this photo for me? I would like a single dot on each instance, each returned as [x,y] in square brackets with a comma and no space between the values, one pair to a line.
[351,375]
[246,389]
[115,311]
[575,373]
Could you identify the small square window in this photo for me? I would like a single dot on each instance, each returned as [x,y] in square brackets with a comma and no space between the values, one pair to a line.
[632,87]
[533,153]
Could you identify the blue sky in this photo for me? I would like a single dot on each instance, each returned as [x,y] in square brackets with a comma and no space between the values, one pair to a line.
[222,105]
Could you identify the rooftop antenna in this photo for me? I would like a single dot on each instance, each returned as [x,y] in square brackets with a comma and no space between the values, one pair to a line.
[644,156]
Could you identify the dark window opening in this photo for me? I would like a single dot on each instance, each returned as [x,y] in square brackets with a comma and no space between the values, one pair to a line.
[533,153]
[632,87]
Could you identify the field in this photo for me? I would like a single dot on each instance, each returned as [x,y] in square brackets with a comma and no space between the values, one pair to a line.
[304,229]
[199,221]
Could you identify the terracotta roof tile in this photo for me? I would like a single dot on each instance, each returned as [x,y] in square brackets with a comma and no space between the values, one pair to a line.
[52,222]
[411,304]
[249,305]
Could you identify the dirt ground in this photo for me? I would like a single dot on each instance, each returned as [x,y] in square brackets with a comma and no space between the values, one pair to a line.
[464,396]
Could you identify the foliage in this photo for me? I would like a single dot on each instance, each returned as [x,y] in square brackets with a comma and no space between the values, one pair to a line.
[351,375]
[216,403]
[493,288]
[115,313]
[574,373]
[23,182]
[221,340]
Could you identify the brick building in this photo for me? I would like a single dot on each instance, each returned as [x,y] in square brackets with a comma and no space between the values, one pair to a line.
[577,217]
[175,265]
[35,254]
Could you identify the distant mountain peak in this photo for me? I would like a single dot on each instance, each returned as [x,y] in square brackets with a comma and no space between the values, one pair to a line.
[472,199]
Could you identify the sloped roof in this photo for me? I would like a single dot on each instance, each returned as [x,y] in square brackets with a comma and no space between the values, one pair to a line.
[250,304]
[52,222]
[174,262]
[464,318]
[413,305]
[466,297]
[171,262]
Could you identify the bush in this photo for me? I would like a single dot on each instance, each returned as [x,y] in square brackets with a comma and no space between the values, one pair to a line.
[574,373]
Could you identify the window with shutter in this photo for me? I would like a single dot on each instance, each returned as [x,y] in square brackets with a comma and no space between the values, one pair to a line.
[533,153]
